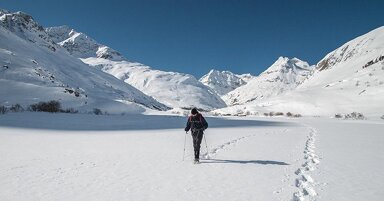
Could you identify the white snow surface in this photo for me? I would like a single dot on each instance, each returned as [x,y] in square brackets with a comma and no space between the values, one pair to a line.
[33,69]
[284,75]
[112,157]
[223,82]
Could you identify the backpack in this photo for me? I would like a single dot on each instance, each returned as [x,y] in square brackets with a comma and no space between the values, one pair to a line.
[196,124]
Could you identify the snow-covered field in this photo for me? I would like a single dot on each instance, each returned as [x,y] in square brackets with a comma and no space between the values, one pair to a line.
[87,157]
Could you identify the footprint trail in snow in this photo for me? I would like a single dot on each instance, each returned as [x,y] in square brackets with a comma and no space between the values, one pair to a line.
[304,182]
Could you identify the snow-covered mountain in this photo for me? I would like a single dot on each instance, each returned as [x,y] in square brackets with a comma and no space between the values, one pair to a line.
[81,45]
[33,68]
[23,25]
[176,90]
[284,75]
[348,79]
[223,82]
[171,88]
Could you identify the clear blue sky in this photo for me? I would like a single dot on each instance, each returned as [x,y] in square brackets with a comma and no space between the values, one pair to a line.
[193,36]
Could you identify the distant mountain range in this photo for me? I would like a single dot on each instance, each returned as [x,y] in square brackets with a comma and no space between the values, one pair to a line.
[59,63]
[171,88]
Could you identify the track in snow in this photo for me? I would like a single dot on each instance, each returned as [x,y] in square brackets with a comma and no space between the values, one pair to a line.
[304,182]
[223,146]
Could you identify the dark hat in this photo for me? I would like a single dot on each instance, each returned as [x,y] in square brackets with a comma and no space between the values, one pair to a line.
[194,111]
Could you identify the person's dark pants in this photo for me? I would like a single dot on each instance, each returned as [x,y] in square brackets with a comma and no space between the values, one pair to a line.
[197,137]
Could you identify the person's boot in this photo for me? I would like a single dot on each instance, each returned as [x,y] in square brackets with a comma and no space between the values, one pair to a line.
[197,155]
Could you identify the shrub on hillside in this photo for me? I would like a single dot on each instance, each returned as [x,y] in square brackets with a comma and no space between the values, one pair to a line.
[97,111]
[279,114]
[338,116]
[290,114]
[51,106]
[3,109]
[270,114]
[16,108]
[354,115]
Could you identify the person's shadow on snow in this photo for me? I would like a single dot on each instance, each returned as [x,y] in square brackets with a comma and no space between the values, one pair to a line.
[261,162]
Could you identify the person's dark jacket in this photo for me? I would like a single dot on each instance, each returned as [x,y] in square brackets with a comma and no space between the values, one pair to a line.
[196,123]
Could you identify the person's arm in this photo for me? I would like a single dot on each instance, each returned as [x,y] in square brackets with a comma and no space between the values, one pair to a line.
[205,123]
[188,126]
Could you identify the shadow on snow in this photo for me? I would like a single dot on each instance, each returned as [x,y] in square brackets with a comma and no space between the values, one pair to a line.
[261,162]
[87,122]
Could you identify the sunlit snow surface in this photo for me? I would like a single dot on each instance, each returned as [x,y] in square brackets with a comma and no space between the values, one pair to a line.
[87,157]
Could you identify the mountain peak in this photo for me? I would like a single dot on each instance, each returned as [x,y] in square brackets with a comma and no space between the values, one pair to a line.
[3,11]
[283,75]
[285,64]
[81,45]
[213,72]
[59,33]
[26,16]
[222,82]
[20,19]
[12,20]
[24,26]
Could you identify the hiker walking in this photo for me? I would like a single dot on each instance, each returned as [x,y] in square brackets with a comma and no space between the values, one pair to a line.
[197,124]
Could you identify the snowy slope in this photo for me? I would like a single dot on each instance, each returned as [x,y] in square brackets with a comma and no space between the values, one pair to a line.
[224,81]
[34,68]
[284,75]
[171,88]
[348,79]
